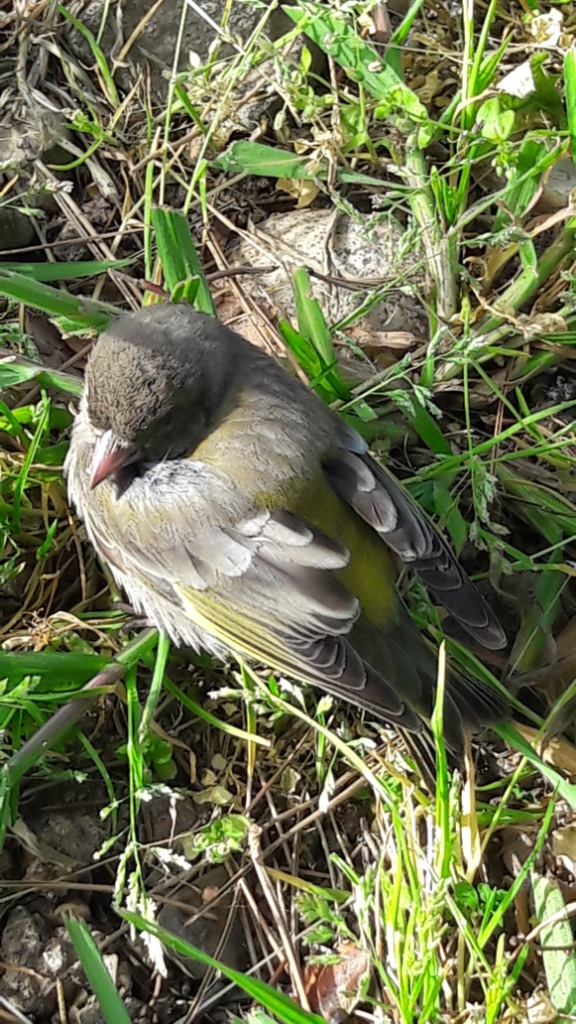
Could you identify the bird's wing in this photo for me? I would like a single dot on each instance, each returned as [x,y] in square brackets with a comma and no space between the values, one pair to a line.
[386,506]
[188,549]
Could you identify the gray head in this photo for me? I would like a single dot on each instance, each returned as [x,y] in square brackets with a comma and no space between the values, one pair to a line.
[156,382]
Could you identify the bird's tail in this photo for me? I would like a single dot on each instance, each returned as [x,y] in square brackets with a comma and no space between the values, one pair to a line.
[408,663]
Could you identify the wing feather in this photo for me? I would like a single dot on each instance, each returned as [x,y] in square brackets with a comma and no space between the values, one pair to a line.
[380,500]
[328,661]
[262,584]
[185,543]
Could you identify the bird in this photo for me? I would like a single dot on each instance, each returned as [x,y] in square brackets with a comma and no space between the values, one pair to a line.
[242,516]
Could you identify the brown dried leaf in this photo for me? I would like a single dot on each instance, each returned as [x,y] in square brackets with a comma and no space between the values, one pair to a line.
[334,990]
[375,341]
[564,846]
[558,752]
[303,191]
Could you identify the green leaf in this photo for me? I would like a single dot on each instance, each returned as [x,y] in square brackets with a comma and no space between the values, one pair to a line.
[82,312]
[65,271]
[339,39]
[570,85]
[497,124]
[446,508]
[179,259]
[325,379]
[426,426]
[311,318]
[57,669]
[566,790]
[557,944]
[466,896]
[269,162]
[549,512]
[97,973]
[15,370]
[525,176]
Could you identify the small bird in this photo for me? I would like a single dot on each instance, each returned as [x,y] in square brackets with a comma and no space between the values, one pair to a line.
[240,514]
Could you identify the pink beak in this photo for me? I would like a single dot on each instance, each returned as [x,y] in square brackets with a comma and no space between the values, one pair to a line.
[108,458]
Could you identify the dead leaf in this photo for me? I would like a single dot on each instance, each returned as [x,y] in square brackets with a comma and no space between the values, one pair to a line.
[217,795]
[540,1009]
[558,752]
[300,189]
[564,846]
[546,29]
[374,341]
[335,989]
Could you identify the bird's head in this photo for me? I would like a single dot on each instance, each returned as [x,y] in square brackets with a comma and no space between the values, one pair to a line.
[155,382]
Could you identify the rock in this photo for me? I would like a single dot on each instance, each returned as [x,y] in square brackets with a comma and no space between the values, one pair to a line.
[34,956]
[357,253]
[27,132]
[205,928]
[558,186]
[156,34]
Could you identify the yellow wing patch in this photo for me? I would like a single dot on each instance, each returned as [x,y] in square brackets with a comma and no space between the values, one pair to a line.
[242,635]
[370,574]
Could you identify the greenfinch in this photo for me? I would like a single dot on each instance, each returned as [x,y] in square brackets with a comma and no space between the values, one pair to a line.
[240,514]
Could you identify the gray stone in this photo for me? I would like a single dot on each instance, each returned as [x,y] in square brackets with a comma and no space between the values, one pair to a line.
[157,33]
[349,256]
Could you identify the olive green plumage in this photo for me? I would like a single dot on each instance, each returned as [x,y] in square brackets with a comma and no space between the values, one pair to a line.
[241,514]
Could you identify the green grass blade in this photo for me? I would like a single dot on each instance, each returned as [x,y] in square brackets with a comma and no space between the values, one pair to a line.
[269,162]
[311,320]
[271,999]
[104,989]
[179,258]
[97,53]
[339,39]
[15,370]
[556,943]
[65,271]
[570,82]
[84,312]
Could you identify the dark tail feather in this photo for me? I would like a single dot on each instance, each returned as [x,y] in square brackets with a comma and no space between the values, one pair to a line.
[478,704]
[381,501]
[423,751]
